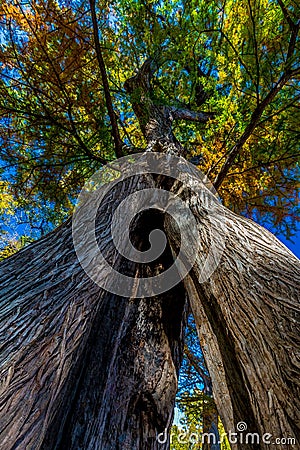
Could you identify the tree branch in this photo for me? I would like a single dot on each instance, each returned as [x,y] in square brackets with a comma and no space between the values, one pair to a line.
[113,118]
[195,363]
[48,118]
[286,13]
[187,114]
[292,45]
[155,120]
[255,52]
[255,117]
[294,28]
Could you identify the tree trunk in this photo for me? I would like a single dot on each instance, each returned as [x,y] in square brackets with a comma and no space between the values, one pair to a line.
[247,316]
[245,303]
[85,369]
[82,368]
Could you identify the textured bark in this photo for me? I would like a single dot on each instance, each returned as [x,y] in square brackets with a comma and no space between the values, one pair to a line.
[247,315]
[246,311]
[81,368]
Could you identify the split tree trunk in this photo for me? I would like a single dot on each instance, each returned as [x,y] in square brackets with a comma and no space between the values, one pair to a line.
[81,368]
[84,369]
[247,310]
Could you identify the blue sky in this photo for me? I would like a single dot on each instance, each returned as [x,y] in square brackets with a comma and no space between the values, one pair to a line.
[294,247]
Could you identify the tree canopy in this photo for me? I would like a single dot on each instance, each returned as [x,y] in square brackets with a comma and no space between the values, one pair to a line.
[236,60]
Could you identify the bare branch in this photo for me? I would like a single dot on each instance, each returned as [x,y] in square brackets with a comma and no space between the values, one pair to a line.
[292,45]
[195,363]
[108,99]
[193,116]
[255,118]
[294,28]
[256,52]
[286,13]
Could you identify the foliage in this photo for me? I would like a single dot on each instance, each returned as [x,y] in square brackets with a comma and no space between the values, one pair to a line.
[7,203]
[223,57]
[13,245]
[51,103]
[189,437]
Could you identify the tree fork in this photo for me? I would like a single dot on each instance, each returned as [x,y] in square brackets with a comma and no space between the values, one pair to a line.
[247,311]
